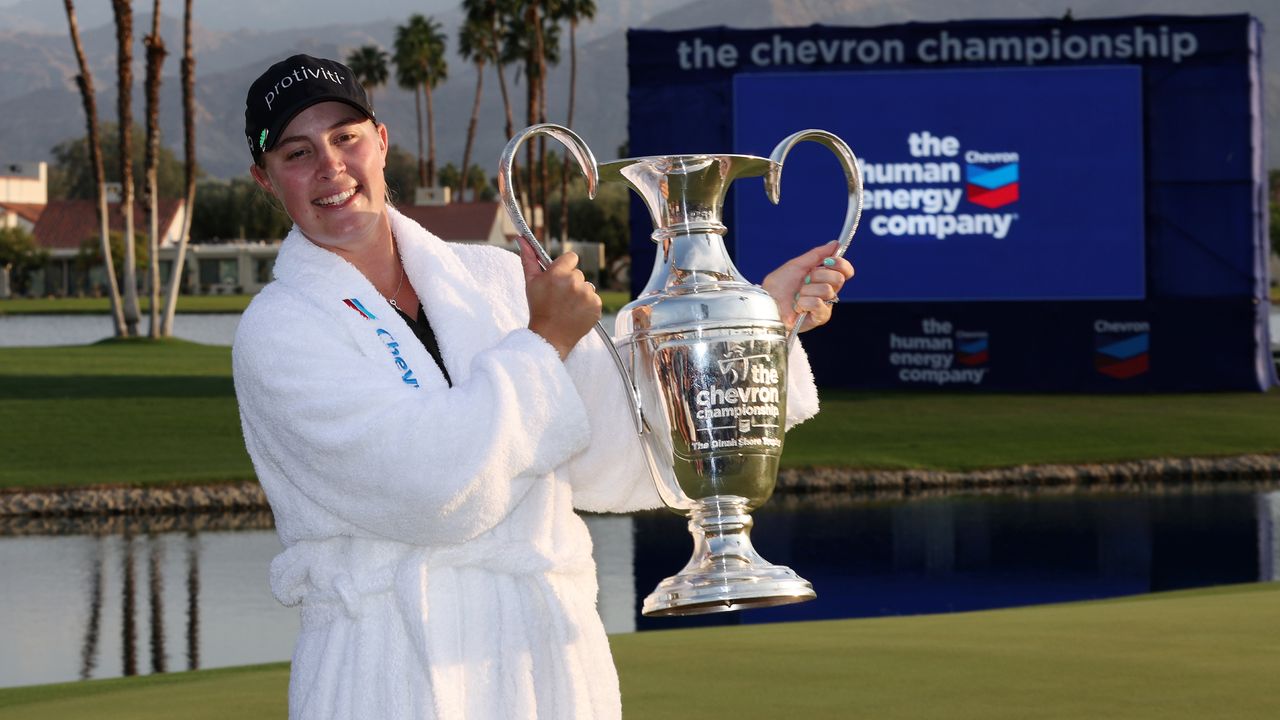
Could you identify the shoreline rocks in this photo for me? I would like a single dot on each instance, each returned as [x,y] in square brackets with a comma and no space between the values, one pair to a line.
[803,482]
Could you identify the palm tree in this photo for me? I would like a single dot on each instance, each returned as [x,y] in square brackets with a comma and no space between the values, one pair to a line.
[498,11]
[573,11]
[189,147]
[420,56]
[533,38]
[85,81]
[369,63]
[475,44]
[409,77]
[124,93]
[155,60]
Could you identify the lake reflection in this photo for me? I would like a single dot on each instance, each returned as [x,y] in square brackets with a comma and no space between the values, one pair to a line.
[93,599]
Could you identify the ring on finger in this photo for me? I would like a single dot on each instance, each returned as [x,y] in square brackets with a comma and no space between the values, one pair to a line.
[832,301]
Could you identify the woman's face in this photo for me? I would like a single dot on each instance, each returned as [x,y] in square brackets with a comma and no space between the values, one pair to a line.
[327,169]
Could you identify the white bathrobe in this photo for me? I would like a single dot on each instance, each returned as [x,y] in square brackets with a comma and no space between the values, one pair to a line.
[429,530]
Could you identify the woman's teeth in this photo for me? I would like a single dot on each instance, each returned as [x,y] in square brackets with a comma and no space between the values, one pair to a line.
[336,199]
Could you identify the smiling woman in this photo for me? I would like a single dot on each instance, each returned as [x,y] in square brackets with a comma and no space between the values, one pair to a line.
[424,491]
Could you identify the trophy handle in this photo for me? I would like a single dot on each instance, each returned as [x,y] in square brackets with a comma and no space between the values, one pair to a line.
[590,169]
[853,178]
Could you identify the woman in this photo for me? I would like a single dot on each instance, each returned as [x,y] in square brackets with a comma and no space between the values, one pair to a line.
[424,418]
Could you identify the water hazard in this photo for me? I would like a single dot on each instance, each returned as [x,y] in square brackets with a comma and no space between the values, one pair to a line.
[105,598]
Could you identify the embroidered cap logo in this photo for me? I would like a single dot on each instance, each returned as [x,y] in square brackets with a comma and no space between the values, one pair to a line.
[289,80]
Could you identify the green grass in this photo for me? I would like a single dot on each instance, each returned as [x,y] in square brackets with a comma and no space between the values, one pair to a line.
[969,431]
[101,306]
[123,412]
[1198,654]
[613,301]
[142,412]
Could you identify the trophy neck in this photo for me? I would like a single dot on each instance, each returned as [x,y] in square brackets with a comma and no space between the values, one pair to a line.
[691,262]
[685,197]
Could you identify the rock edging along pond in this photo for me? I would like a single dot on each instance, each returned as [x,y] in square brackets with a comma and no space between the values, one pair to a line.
[247,496]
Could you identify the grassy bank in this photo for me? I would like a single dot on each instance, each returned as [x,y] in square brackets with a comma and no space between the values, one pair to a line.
[186,304]
[100,306]
[140,412]
[1209,653]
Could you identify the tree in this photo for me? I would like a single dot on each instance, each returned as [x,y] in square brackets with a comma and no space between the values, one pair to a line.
[409,77]
[476,45]
[237,209]
[401,173]
[19,257]
[420,61]
[71,176]
[190,168]
[369,63]
[573,11]
[85,81]
[90,254]
[155,61]
[124,93]
[532,37]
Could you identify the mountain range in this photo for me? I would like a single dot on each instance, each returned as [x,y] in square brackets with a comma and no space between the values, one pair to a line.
[42,105]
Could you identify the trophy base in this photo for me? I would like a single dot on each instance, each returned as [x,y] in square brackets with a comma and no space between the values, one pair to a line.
[725,572]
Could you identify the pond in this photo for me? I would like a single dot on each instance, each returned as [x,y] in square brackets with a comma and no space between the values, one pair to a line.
[105,598]
[43,330]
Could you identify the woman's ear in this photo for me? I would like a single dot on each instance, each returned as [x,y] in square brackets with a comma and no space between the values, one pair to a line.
[383,138]
[260,176]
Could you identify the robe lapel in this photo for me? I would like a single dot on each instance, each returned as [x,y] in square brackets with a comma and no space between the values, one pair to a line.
[347,296]
[462,308]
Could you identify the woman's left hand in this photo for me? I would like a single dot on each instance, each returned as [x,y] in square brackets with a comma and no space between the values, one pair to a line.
[809,284]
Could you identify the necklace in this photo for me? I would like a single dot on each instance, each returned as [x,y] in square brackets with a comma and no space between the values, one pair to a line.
[399,285]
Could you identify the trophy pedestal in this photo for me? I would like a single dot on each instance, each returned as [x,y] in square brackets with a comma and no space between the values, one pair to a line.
[725,572]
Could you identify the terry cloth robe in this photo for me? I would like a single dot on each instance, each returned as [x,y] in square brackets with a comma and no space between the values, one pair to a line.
[429,531]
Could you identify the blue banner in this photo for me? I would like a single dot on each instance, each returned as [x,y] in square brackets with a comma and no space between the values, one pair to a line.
[1003,184]
[1107,233]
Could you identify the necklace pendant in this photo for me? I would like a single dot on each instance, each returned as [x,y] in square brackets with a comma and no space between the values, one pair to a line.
[394,304]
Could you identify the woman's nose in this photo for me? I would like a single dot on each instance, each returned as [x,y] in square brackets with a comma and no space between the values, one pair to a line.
[329,162]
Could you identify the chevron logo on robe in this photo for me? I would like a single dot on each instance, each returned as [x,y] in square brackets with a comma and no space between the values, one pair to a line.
[992,187]
[1122,356]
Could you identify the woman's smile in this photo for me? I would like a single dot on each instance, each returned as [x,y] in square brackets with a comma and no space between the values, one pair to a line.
[337,199]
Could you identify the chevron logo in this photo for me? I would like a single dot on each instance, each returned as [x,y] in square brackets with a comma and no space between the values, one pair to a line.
[1122,356]
[992,187]
[972,348]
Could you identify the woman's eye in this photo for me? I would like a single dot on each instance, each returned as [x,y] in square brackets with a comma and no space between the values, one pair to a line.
[294,154]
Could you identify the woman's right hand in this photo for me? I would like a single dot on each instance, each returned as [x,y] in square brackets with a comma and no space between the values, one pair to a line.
[562,304]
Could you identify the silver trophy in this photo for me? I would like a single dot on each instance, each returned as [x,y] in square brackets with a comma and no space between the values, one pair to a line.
[703,353]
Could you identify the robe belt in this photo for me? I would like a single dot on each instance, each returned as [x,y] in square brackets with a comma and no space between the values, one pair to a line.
[348,591]
[423,582]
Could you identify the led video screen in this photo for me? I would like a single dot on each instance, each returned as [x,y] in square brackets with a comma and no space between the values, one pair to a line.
[980,184]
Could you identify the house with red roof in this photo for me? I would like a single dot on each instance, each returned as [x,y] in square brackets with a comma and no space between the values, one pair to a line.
[23,194]
[63,227]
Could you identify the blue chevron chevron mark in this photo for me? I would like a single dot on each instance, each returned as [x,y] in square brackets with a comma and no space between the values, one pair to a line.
[992,178]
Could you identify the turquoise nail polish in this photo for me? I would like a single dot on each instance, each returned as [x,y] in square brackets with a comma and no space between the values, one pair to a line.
[807,279]
[829,262]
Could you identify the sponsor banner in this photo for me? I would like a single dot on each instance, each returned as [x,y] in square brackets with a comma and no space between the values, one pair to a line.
[937,353]
[999,184]
[996,201]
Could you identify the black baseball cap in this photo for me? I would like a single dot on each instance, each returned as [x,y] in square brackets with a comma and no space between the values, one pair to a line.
[291,86]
